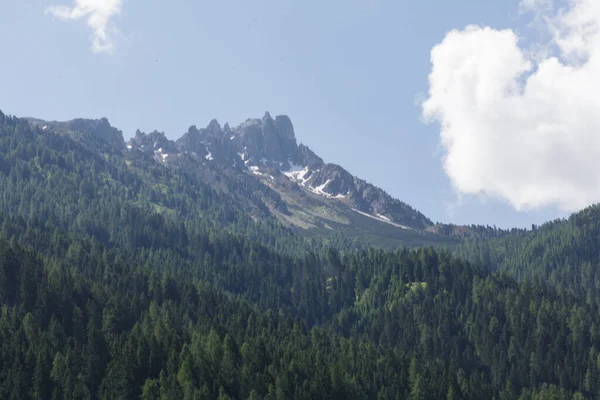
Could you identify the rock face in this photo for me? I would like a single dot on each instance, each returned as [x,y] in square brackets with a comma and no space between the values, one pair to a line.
[266,142]
[260,164]
[268,148]
[151,142]
[194,140]
[156,144]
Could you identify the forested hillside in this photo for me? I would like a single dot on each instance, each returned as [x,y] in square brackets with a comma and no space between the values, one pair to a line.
[565,253]
[123,279]
[83,321]
[79,174]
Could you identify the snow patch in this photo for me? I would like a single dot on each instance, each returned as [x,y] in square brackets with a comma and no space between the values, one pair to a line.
[297,173]
[295,167]
[44,127]
[320,189]
[163,155]
[255,170]
[383,217]
[378,218]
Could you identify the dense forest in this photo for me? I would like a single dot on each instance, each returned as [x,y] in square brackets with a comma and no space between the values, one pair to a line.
[564,253]
[123,279]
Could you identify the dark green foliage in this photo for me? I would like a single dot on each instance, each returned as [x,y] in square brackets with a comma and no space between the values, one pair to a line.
[565,253]
[95,323]
[122,281]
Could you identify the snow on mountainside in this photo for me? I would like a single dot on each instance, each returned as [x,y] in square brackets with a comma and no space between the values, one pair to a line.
[267,148]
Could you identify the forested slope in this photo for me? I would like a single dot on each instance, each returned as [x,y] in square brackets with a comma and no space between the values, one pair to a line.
[565,253]
[83,321]
[122,279]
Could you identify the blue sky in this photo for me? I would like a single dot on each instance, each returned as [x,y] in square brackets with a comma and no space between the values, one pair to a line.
[348,73]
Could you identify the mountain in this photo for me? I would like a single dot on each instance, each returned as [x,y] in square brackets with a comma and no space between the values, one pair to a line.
[83,170]
[310,194]
[165,269]
[260,166]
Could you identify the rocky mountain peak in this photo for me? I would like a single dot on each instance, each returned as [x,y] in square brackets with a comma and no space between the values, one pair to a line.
[286,129]
[192,130]
[267,147]
[266,140]
[193,141]
[214,128]
[152,142]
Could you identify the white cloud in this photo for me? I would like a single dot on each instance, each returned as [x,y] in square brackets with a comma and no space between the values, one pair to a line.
[535,5]
[99,14]
[516,126]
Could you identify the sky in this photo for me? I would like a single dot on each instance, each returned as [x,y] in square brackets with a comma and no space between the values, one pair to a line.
[471,111]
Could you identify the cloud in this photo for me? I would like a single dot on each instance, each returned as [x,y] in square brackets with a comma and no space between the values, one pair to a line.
[535,5]
[99,14]
[517,126]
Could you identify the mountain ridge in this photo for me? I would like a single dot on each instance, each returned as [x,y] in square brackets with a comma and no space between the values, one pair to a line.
[296,186]
[267,148]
